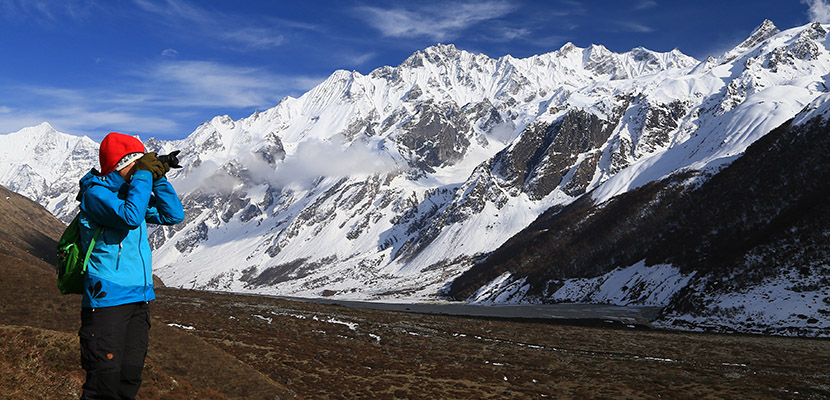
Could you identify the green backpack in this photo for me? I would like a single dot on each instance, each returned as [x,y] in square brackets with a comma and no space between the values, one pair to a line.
[71,269]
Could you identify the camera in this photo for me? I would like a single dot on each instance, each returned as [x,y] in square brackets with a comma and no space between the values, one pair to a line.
[171,160]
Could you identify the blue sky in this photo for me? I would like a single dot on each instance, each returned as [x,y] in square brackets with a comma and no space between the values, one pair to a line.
[162,67]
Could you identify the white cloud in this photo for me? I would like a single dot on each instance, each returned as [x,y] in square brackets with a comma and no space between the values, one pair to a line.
[311,160]
[254,38]
[85,119]
[150,100]
[82,111]
[176,10]
[315,158]
[172,53]
[818,10]
[211,84]
[78,119]
[507,34]
[253,35]
[634,27]
[438,22]
[47,12]
[645,4]
[208,177]
[16,122]
[569,8]
[360,59]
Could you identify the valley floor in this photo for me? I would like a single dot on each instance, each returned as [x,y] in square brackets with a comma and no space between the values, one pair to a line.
[323,351]
[213,345]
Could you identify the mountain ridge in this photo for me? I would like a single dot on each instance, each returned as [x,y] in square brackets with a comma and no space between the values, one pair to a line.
[431,164]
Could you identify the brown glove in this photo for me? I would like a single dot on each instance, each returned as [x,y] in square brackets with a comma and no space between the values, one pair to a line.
[149,162]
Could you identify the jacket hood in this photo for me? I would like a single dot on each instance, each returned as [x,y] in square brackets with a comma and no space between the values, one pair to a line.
[112,181]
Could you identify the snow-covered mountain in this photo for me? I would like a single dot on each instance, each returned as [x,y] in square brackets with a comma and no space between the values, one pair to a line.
[744,248]
[45,165]
[722,244]
[388,185]
[371,196]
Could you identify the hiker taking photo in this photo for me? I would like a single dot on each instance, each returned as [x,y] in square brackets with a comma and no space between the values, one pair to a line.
[116,205]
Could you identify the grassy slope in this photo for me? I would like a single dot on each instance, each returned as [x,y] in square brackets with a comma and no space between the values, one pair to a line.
[27,230]
[39,322]
[39,353]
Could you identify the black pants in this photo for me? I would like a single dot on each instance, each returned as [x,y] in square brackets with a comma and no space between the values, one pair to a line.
[113,347]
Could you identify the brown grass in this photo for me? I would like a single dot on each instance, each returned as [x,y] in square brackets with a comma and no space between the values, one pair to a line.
[40,356]
[308,348]
[37,363]
[248,347]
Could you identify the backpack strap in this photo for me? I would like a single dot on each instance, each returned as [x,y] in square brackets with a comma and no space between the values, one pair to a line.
[89,249]
[79,197]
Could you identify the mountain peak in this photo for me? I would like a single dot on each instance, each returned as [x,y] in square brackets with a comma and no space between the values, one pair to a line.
[815,31]
[442,52]
[45,126]
[762,32]
[598,47]
[767,28]
[41,129]
[431,54]
[443,48]
[567,48]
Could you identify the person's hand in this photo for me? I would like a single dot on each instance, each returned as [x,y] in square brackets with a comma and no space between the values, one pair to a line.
[149,162]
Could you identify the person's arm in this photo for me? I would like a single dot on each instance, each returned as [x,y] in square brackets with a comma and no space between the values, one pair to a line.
[105,208]
[165,208]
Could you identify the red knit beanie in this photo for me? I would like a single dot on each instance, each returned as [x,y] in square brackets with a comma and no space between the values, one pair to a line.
[114,147]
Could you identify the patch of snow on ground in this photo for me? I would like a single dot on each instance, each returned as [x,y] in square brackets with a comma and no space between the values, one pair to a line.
[297,316]
[351,325]
[789,304]
[634,285]
[266,319]
[502,290]
[185,327]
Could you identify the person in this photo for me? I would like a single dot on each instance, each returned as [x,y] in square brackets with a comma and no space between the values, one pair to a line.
[130,191]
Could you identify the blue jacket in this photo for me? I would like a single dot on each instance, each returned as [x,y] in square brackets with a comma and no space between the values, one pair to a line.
[120,269]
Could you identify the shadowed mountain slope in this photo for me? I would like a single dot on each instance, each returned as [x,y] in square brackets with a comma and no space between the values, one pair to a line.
[764,216]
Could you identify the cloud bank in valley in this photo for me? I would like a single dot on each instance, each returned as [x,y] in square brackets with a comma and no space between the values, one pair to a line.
[316,158]
[311,159]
